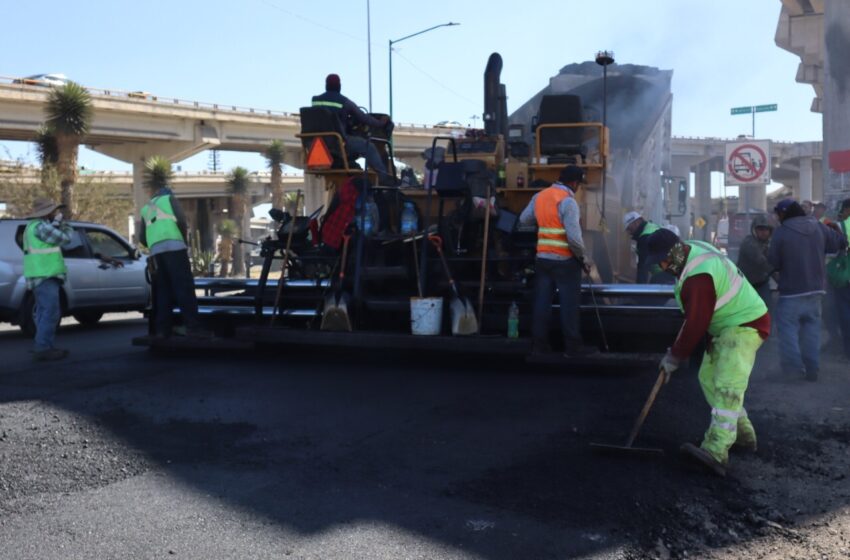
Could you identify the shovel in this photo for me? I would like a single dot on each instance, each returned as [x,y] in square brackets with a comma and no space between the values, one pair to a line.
[464,321]
[335,315]
[627,449]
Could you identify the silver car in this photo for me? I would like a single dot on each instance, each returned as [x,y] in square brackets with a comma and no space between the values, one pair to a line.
[93,286]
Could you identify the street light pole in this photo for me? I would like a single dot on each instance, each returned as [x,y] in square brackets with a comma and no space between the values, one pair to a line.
[604,58]
[392,42]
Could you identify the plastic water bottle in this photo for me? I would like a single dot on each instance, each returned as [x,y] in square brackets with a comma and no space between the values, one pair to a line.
[513,321]
[409,221]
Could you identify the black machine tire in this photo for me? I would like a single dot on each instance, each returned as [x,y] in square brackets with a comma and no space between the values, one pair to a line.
[88,318]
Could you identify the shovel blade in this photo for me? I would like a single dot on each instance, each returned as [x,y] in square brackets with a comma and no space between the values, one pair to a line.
[335,314]
[464,322]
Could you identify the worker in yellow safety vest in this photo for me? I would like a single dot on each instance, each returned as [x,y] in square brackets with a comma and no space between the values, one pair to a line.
[163,231]
[45,272]
[716,299]
[559,262]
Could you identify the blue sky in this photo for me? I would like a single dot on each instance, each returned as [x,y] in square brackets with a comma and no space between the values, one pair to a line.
[274,54]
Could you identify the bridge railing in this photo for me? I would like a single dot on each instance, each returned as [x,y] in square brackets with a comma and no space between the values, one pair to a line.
[147,97]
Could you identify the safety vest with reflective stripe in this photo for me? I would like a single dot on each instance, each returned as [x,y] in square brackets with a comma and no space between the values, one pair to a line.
[41,260]
[845,225]
[649,229]
[328,104]
[551,235]
[160,221]
[737,302]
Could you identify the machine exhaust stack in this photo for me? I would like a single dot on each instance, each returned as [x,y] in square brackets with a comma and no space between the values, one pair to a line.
[493,93]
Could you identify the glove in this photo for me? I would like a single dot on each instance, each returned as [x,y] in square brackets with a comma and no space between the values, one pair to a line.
[669,363]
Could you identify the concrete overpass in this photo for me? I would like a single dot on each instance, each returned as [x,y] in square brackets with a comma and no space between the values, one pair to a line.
[818,32]
[134,126]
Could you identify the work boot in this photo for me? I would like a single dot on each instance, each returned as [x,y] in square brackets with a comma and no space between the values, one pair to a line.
[746,436]
[49,355]
[703,458]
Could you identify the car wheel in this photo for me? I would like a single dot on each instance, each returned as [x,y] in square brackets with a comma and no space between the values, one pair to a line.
[27,319]
[88,318]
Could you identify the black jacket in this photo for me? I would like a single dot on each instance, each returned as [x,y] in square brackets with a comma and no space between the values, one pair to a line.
[346,110]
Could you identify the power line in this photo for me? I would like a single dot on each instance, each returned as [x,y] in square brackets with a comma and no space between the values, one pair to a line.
[436,81]
[312,22]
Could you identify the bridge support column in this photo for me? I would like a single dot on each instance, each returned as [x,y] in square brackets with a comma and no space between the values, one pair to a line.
[806,183]
[702,202]
[137,154]
[836,104]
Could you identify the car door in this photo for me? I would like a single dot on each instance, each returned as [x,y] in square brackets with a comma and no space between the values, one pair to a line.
[123,286]
[82,284]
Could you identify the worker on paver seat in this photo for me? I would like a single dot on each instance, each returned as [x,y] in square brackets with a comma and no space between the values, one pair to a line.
[349,115]
[559,262]
[640,229]
[717,299]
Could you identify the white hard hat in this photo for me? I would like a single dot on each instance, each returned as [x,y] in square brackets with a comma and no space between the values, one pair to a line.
[674,228]
[629,218]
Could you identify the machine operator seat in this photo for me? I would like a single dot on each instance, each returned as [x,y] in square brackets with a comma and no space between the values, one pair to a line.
[561,145]
[319,123]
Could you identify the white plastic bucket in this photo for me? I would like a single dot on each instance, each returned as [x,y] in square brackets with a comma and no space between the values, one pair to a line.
[426,315]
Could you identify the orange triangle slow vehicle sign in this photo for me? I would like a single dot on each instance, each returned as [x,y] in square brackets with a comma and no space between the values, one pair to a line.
[319,157]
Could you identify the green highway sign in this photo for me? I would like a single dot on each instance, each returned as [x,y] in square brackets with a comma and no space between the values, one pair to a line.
[756,109]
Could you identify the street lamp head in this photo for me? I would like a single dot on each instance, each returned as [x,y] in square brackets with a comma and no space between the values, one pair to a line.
[604,58]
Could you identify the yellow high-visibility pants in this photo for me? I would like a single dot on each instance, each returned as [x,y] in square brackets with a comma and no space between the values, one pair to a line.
[724,375]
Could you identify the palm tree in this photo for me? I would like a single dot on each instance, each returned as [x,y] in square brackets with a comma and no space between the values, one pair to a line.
[157,173]
[69,115]
[48,154]
[274,158]
[237,181]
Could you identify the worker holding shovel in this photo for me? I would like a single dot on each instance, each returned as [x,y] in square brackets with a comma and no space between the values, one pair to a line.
[560,253]
[717,299]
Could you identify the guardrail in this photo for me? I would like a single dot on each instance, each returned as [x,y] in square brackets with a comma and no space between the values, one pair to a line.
[147,97]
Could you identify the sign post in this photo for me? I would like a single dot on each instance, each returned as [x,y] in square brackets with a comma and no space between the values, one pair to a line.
[753,109]
[747,164]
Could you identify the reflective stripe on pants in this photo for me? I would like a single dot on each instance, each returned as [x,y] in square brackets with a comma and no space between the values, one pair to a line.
[724,375]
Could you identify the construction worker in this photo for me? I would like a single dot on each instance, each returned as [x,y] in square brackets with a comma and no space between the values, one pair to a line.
[752,256]
[819,213]
[842,294]
[560,260]
[163,230]
[798,252]
[640,229]
[350,114]
[45,271]
[716,299]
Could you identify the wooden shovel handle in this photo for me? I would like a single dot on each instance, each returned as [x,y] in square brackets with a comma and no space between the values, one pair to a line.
[646,407]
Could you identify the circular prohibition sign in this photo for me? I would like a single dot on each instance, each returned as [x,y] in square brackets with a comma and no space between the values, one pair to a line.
[747,163]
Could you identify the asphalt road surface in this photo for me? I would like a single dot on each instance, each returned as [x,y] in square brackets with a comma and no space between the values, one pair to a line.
[121,453]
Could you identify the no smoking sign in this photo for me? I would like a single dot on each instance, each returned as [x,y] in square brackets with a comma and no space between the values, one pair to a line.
[748,163]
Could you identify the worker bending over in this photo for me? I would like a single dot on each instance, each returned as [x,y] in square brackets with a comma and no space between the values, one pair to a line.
[639,229]
[715,298]
[559,263]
